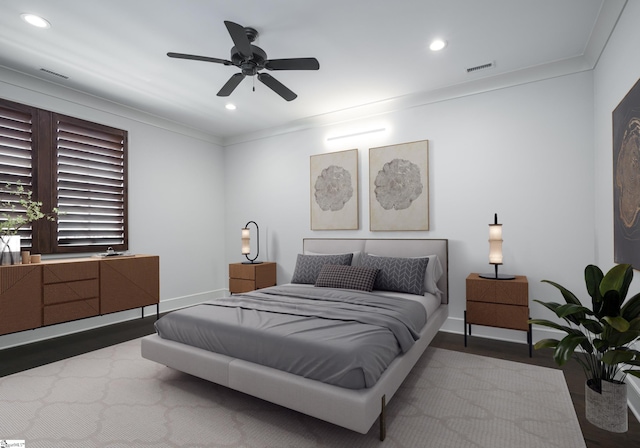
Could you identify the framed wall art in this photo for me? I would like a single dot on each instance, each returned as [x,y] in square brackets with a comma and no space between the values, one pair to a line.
[334,191]
[399,187]
[626,179]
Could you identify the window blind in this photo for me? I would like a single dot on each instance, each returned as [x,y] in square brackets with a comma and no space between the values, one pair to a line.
[91,184]
[16,167]
[77,166]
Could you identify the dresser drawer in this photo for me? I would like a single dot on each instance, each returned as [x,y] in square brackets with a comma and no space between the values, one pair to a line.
[70,291]
[498,315]
[64,312]
[20,298]
[69,272]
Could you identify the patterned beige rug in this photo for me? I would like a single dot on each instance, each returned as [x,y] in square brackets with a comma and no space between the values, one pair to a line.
[113,398]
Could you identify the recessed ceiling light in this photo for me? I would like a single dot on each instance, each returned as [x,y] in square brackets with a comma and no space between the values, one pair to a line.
[35,20]
[437,45]
[230,106]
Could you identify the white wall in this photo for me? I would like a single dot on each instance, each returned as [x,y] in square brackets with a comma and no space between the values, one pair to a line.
[176,199]
[524,152]
[617,71]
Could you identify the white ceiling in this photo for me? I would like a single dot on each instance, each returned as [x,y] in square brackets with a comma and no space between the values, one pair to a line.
[370,51]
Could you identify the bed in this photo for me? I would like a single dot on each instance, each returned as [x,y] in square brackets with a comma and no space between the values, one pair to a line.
[348,405]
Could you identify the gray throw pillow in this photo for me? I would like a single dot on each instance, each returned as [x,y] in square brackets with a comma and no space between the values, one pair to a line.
[398,274]
[308,266]
[346,277]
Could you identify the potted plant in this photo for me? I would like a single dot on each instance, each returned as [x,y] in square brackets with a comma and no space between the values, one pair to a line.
[605,335]
[19,209]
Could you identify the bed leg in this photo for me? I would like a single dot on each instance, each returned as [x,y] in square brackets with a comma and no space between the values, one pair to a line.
[383,419]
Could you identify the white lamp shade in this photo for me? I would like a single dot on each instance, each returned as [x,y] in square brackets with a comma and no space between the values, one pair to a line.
[495,232]
[495,243]
[246,245]
[495,252]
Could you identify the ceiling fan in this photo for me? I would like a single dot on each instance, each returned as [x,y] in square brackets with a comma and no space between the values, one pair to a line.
[251,59]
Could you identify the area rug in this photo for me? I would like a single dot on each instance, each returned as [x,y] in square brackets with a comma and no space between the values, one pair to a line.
[113,398]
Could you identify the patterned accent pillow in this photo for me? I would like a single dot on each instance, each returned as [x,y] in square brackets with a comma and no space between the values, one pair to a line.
[346,277]
[308,266]
[398,274]
[431,277]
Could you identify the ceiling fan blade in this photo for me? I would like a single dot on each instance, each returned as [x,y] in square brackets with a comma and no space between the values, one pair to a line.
[231,85]
[198,58]
[292,64]
[277,86]
[240,39]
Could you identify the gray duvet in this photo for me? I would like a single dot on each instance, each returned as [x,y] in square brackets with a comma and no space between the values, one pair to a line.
[341,337]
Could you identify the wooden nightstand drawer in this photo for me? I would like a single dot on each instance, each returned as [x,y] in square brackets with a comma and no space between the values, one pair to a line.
[498,303]
[238,285]
[515,292]
[248,277]
[498,315]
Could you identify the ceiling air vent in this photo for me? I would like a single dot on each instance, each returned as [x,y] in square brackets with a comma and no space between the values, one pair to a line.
[481,67]
[54,73]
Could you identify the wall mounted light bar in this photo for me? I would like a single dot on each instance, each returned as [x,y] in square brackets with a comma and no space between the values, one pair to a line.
[371,131]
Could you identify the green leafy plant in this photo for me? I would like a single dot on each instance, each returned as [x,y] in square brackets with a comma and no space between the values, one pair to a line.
[605,333]
[20,209]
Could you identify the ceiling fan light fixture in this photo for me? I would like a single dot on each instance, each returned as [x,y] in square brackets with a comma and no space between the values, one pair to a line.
[230,106]
[35,20]
[437,44]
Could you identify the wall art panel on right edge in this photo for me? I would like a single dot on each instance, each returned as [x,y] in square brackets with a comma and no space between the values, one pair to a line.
[399,187]
[626,179]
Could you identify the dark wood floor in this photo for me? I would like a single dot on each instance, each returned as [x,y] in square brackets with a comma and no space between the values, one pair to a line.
[17,359]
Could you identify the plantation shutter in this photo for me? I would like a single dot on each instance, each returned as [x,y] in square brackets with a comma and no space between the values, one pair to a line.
[91,185]
[16,166]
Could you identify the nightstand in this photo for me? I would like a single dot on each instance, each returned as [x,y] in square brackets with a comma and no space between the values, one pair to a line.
[248,277]
[498,303]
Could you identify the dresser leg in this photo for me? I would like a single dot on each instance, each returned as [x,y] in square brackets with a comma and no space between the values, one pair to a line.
[465,328]
[530,341]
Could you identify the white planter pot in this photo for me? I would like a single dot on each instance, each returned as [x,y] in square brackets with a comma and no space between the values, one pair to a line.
[607,410]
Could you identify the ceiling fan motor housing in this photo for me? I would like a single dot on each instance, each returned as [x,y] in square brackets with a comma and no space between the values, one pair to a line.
[249,66]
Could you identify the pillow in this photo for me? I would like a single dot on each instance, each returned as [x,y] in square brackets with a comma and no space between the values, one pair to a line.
[355,261]
[398,274]
[432,275]
[308,266]
[346,277]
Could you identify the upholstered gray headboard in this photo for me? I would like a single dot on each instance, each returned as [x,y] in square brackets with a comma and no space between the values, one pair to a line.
[388,248]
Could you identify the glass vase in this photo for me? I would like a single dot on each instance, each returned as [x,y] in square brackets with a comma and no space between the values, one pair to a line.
[9,249]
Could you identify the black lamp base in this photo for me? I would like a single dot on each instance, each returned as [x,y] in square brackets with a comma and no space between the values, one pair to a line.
[496,276]
[251,262]
[493,276]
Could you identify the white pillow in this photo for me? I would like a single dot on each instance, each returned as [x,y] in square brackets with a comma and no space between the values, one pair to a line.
[432,275]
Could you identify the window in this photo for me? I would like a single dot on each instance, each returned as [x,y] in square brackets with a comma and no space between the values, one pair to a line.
[74,165]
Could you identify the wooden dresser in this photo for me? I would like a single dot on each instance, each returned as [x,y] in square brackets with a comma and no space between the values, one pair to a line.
[498,303]
[245,277]
[62,290]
